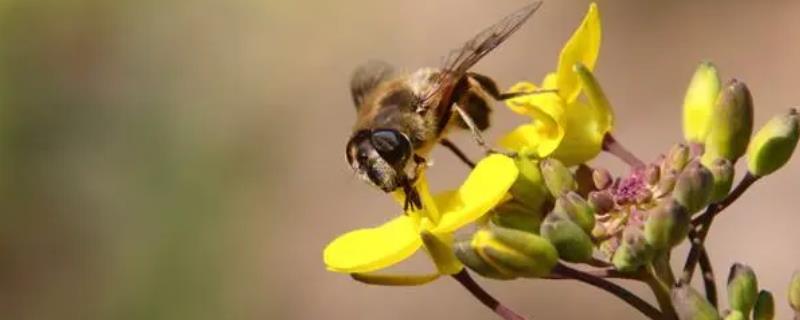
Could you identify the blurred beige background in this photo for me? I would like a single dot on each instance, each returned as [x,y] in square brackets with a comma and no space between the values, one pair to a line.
[185,159]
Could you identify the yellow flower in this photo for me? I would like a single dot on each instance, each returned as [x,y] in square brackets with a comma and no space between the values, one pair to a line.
[363,251]
[564,126]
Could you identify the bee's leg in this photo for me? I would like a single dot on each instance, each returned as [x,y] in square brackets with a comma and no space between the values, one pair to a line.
[413,200]
[510,95]
[476,133]
[488,85]
[460,154]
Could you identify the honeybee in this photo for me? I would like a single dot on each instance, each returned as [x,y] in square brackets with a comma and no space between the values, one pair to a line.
[401,117]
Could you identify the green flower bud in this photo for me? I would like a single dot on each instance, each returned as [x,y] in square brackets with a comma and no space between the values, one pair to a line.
[516,215]
[572,243]
[634,251]
[529,188]
[794,292]
[735,315]
[601,201]
[577,209]
[652,174]
[742,288]
[699,102]
[731,124]
[667,225]
[510,252]
[666,184]
[722,170]
[690,305]
[693,187]
[541,255]
[557,177]
[773,144]
[677,158]
[765,306]
[602,179]
[467,254]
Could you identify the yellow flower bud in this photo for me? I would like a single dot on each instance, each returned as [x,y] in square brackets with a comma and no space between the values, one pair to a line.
[742,288]
[699,102]
[773,144]
[765,306]
[731,124]
[689,304]
[794,292]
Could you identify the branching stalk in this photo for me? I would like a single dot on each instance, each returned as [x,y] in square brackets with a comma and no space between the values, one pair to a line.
[487,299]
[702,224]
[613,288]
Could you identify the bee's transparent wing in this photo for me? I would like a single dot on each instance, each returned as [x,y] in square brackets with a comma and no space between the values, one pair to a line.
[366,77]
[459,61]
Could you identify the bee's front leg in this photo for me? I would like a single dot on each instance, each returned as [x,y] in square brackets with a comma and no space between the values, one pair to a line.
[413,200]
[476,134]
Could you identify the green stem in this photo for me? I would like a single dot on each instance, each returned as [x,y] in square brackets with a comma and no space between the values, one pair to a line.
[663,269]
[661,292]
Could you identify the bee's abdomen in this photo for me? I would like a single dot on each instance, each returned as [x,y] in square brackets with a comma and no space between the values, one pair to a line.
[477,107]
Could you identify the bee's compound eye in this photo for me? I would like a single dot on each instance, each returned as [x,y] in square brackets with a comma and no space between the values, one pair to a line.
[393,146]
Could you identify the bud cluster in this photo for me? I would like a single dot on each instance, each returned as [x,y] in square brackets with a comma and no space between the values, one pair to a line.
[587,215]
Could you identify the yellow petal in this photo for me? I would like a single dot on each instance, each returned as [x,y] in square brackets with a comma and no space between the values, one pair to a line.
[395,280]
[583,47]
[533,139]
[586,126]
[429,207]
[428,210]
[550,81]
[545,106]
[521,104]
[486,186]
[524,140]
[367,250]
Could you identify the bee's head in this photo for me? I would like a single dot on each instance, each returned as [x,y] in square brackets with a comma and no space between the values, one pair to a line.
[379,156]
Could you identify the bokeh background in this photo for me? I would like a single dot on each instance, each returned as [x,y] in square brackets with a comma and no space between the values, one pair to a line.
[185,159]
